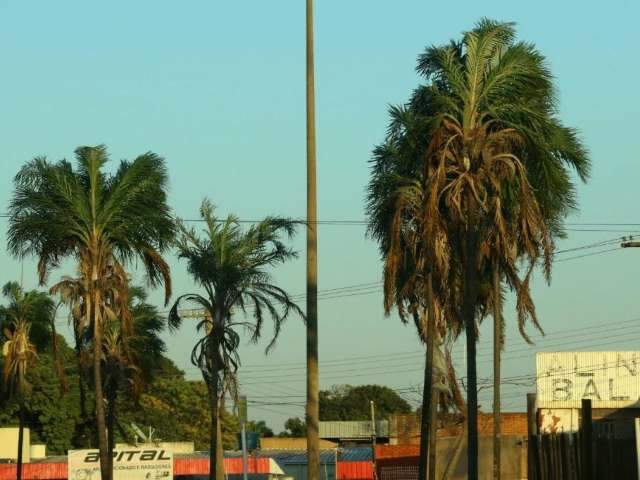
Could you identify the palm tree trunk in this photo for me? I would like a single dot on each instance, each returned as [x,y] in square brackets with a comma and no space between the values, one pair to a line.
[427,388]
[215,470]
[468,315]
[83,394]
[433,432]
[56,355]
[497,346]
[20,437]
[81,385]
[458,400]
[111,417]
[313,409]
[105,461]
[220,448]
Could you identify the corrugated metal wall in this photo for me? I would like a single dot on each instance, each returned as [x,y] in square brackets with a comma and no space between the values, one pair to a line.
[353,429]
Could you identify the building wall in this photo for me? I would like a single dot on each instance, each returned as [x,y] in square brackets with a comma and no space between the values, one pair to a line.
[402,461]
[405,429]
[9,444]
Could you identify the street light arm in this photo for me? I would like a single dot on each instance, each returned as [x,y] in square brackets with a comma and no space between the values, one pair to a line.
[630,244]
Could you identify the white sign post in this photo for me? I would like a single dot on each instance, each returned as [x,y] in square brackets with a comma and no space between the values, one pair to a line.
[128,464]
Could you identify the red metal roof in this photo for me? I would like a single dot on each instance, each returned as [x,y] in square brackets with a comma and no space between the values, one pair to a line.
[181,466]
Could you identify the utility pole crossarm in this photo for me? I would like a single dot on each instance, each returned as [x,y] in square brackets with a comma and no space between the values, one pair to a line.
[630,244]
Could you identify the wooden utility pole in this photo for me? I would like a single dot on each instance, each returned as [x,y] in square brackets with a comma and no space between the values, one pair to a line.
[586,427]
[532,431]
[313,386]
[374,436]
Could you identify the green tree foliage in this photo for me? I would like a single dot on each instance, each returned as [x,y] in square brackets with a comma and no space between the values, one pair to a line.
[294,427]
[51,416]
[176,408]
[345,402]
[260,427]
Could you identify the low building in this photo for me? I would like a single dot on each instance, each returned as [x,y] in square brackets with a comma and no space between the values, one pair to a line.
[354,432]
[335,464]
[292,443]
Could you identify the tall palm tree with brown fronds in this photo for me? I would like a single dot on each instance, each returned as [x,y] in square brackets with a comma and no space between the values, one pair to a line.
[231,266]
[499,166]
[103,222]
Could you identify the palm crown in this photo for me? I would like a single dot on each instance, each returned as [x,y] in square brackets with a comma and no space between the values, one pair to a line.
[57,212]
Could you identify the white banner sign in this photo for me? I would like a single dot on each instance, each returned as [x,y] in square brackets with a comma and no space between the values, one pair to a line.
[609,379]
[128,464]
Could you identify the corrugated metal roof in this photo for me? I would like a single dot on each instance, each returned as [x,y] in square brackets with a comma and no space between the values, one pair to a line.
[299,457]
[184,465]
[353,429]
[358,454]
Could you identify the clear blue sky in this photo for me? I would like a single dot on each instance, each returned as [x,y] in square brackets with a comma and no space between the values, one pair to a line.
[218,89]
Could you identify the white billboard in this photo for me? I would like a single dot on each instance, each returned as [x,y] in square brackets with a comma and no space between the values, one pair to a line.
[609,379]
[128,464]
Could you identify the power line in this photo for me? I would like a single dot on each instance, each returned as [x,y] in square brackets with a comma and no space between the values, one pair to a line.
[366,222]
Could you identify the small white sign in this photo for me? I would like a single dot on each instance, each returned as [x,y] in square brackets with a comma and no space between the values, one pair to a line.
[128,464]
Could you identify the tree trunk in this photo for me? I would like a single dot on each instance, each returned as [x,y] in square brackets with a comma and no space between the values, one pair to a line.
[433,432]
[427,388]
[458,400]
[20,437]
[215,470]
[468,314]
[56,355]
[81,384]
[313,410]
[106,462]
[220,448]
[497,347]
[111,417]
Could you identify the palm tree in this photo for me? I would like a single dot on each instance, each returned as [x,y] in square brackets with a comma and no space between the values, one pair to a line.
[129,360]
[229,265]
[103,221]
[418,278]
[498,163]
[34,305]
[71,292]
[19,352]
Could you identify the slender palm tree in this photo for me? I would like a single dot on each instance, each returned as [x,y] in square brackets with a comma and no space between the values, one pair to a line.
[230,266]
[102,221]
[499,166]
[418,279]
[70,291]
[19,353]
[35,306]
[130,360]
